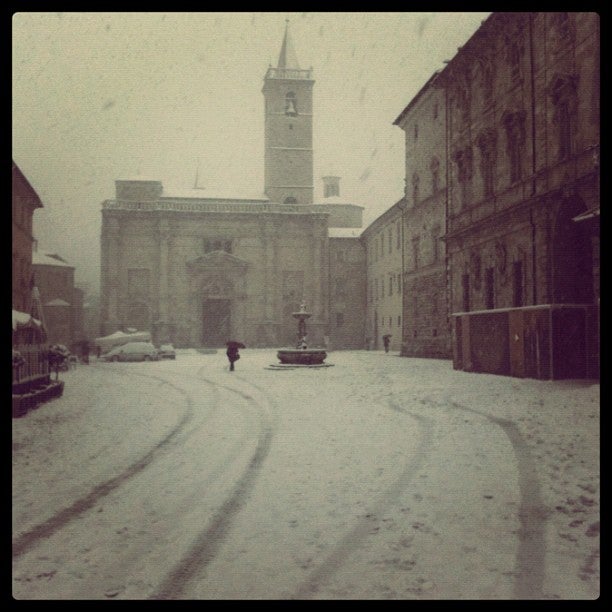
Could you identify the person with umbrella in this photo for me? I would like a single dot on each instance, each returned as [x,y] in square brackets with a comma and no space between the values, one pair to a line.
[232,352]
[386,342]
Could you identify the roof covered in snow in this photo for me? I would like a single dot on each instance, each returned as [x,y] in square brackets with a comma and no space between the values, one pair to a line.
[23,319]
[335,200]
[212,194]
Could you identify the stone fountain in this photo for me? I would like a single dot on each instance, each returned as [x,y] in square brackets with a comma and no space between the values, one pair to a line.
[301,355]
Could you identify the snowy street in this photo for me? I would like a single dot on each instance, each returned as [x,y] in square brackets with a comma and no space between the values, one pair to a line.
[379,478]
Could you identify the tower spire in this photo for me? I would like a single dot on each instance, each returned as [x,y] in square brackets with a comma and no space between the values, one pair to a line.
[288,58]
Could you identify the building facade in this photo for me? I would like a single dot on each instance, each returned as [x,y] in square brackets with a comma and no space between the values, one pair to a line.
[61,301]
[523,141]
[383,240]
[25,201]
[426,324]
[197,269]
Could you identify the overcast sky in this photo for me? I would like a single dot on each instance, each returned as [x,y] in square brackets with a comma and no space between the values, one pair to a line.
[102,96]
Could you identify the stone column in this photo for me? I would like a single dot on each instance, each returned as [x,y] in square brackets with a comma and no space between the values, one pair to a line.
[113,258]
[164,240]
[268,238]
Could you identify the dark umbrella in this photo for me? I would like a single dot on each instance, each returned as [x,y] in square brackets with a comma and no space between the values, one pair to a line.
[387,336]
[234,344]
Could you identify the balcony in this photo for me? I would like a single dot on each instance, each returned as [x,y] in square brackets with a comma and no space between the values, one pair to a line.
[294,74]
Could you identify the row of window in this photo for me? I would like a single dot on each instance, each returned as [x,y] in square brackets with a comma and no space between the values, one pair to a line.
[515,55]
[394,284]
[387,322]
[383,244]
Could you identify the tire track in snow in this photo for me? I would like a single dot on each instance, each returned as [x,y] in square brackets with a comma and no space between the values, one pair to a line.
[208,543]
[31,537]
[352,540]
[530,563]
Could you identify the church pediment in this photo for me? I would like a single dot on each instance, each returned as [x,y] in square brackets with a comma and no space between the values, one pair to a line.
[218,259]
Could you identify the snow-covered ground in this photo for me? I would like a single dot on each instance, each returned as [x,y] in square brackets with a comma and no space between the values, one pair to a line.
[379,478]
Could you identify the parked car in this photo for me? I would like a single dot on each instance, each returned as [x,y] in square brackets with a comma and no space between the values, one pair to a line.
[132,351]
[166,351]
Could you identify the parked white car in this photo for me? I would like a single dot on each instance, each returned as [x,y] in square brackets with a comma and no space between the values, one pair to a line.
[166,351]
[132,351]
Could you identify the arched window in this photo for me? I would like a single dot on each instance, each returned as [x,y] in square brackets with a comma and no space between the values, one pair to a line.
[290,104]
[290,200]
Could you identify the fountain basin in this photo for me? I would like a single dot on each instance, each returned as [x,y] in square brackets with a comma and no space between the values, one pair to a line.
[302,356]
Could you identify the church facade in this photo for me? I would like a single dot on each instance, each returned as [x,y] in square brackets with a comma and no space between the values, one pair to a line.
[198,269]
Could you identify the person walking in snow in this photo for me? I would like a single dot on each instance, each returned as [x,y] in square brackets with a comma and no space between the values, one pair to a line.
[386,342]
[232,352]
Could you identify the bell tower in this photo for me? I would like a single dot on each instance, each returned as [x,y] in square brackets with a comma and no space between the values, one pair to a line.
[287,91]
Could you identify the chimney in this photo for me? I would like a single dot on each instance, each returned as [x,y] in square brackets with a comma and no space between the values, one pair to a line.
[331,186]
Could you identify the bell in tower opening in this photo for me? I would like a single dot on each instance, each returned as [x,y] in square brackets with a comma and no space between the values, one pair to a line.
[290,108]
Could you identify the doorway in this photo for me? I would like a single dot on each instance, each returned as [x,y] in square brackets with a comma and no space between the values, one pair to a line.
[573,266]
[216,319]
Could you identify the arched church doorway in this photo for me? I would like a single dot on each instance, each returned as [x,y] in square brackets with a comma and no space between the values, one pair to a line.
[572,256]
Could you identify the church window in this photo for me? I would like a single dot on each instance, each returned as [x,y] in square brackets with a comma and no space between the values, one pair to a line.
[217,245]
[390,239]
[290,104]
[138,283]
[382,245]
[382,287]
[415,188]
[390,285]
[339,319]
[435,111]
[399,236]
[416,131]
[290,200]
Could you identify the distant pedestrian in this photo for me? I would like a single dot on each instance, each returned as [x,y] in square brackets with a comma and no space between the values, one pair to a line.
[232,352]
[387,342]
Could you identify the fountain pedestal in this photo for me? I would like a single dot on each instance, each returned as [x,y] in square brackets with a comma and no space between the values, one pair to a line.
[302,355]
